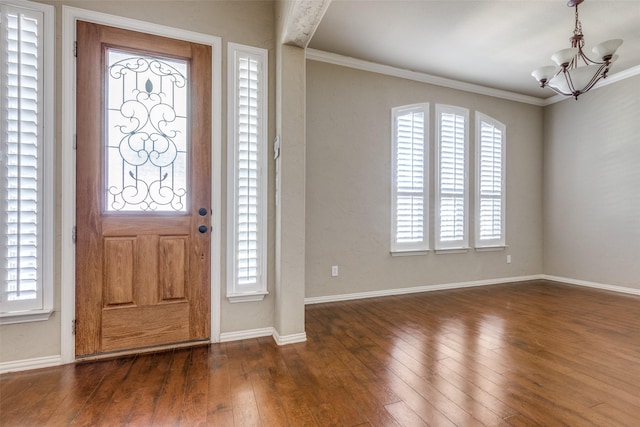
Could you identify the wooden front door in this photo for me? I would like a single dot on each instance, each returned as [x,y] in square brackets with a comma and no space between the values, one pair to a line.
[143,198]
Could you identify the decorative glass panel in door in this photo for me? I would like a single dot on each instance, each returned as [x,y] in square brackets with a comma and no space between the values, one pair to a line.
[147,133]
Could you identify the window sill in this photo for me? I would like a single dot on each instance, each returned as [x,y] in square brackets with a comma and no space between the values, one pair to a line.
[249,297]
[25,316]
[452,251]
[491,248]
[409,253]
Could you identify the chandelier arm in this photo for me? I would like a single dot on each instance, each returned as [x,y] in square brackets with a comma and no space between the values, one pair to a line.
[589,61]
[572,88]
[573,63]
[586,59]
[601,74]
[558,91]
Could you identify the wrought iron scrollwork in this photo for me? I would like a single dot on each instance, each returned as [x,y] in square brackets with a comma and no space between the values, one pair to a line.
[148,135]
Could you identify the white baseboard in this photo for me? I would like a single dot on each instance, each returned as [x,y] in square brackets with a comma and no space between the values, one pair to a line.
[246,334]
[416,289]
[25,364]
[613,288]
[48,361]
[289,339]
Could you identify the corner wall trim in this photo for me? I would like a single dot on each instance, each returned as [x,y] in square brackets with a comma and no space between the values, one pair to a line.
[602,286]
[263,332]
[289,339]
[416,289]
[25,364]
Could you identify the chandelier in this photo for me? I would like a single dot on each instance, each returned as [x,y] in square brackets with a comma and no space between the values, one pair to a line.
[575,73]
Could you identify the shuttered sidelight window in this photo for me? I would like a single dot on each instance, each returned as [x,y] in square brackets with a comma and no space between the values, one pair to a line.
[247,168]
[452,140]
[490,197]
[25,162]
[410,190]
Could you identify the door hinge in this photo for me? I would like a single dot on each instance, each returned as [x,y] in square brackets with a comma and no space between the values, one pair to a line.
[75,141]
[74,235]
[75,49]
[73,327]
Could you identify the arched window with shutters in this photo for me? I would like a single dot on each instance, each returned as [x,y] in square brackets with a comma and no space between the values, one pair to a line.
[452,192]
[409,189]
[490,182]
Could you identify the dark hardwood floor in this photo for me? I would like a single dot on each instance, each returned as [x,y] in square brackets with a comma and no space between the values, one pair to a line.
[525,354]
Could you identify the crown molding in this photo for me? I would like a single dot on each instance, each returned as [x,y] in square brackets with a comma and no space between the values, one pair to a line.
[346,61]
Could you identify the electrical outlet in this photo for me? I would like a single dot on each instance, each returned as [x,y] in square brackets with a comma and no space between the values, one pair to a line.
[508,259]
[334,271]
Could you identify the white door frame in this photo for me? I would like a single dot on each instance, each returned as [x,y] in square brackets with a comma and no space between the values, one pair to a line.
[67,299]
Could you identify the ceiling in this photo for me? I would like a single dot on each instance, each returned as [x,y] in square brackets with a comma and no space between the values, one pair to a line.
[490,43]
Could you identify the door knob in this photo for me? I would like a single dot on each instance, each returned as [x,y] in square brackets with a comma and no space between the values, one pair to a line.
[202,229]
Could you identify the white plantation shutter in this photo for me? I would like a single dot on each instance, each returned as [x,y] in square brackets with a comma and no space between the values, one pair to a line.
[22,157]
[247,172]
[247,162]
[409,190]
[489,182]
[21,120]
[451,188]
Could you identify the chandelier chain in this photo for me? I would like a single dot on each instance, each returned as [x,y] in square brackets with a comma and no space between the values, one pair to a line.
[577,32]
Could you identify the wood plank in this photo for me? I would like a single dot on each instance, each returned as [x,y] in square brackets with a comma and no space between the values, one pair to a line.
[125,398]
[284,385]
[170,398]
[149,391]
[40,400]
[113,377]
[245,407]
[219,405]
[194,408]
[83,383]
[405,415]
[263,373]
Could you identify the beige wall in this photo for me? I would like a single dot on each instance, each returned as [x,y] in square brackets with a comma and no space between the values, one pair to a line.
[592,186]
[348,185]
[246,22]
